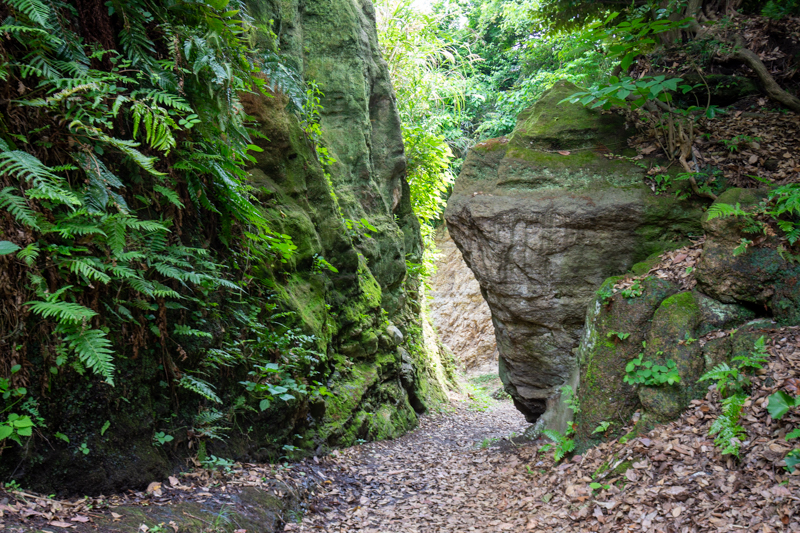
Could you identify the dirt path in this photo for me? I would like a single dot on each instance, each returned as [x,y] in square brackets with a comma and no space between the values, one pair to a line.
[451,476]
[448,475]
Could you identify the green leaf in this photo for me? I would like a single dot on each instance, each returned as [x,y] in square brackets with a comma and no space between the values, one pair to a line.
[264,404]
[779,404]
[792,460]
[61,436]
[5,431]
[7,247]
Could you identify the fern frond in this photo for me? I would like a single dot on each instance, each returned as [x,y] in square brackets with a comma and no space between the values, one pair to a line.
[126,147]
[88,268]
[207,417]
[162,291]
[170,195]
[95,351]
[29,254]
[62,311]
[721,371]
[199,386]
[142,286]
[19,209]
[722,210]
[36,11]
[189,332]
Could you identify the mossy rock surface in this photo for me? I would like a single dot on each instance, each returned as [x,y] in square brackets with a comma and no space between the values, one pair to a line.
[252,509]
[672,337]
[551,125]
[603,354]
[758,277]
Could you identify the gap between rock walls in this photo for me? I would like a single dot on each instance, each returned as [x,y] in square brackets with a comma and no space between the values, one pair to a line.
[247,291]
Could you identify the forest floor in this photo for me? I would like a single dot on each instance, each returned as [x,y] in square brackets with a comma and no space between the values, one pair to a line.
[466,471]
[470,469]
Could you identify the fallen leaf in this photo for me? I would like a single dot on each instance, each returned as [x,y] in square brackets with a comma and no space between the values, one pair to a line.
[58,523]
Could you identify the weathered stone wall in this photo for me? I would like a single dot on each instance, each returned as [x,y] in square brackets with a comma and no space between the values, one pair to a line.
[459,312]
[542,218]
[380,364]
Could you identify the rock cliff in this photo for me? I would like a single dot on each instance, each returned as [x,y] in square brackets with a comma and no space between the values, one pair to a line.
[460,314]
[379,363]
[543,218]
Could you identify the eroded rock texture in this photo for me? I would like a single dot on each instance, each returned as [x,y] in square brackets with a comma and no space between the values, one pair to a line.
[542,218]
[459,312]
[377,379]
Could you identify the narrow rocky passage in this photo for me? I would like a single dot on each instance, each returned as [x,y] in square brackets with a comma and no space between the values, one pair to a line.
[451,474]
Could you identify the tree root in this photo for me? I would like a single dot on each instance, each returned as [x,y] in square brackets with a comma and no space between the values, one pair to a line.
[771,87]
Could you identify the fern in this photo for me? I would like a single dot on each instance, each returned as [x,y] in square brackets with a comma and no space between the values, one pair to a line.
[722,210]
[199,386]
[170,195]
[95,351]
[68,312]
[37,12]
[729,434]
[563,444]
[189,332]
[89,268]
[19,209]
[29,254]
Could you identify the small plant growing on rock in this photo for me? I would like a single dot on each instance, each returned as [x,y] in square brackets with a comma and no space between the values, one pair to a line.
[733,384]
[570,399]
[604,295]
[650,374]
[619,335]
[602,428]
[634,291]
[734,379]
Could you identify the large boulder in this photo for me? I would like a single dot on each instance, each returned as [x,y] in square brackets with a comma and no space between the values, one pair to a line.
[542,218]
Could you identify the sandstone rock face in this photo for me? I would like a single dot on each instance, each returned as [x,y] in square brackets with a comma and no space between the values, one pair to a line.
[542,218]
[459,312]
[335,44]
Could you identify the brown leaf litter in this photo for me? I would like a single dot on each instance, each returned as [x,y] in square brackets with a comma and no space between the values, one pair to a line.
[464,471]
[671,480]
[676,266]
